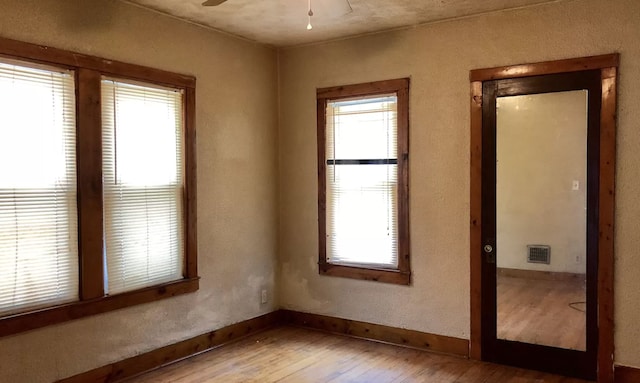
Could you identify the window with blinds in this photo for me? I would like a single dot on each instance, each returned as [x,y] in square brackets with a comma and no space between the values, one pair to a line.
[143,185]
[38,213]
[362,181]
[97,186]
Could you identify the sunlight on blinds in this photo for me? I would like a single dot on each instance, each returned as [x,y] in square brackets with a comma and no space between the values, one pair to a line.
[142,161]
[361,152]
[38,213]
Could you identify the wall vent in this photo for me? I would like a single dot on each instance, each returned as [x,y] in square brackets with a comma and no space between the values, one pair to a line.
[538,254]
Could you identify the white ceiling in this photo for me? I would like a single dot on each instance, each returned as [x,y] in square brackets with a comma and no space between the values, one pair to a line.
[283,22]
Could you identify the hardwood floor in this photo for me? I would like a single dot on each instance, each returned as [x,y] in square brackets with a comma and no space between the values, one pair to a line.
[548,312]
[297,355]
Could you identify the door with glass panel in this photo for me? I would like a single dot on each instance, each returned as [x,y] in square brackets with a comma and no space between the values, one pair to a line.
[540,192]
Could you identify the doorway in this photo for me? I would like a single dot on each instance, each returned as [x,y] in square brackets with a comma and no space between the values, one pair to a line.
[543,149]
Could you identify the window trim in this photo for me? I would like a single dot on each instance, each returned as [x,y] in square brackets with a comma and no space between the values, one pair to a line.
[401,275]
[88,73]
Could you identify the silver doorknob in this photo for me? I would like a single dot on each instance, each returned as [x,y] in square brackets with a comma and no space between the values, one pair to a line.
[488,248]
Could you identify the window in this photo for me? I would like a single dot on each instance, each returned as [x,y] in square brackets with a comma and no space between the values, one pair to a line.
[38,220]
[97,186]
[142,162]
[363,181]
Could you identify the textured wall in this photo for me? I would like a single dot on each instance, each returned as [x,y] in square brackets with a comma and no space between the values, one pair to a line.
[237,149]
[541,149]
[438,58]
[237,193]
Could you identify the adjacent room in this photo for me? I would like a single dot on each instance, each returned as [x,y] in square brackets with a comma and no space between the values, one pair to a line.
[319,191]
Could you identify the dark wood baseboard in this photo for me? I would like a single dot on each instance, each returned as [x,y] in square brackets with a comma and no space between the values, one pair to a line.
[625,374]
[380,333]
[175,352]
[407,338]
[540,275]
[169,354]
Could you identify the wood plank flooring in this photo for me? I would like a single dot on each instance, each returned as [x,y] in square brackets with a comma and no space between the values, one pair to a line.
[538,311]
[297,355]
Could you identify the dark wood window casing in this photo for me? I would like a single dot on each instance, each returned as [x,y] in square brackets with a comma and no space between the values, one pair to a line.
[88,74]
[399,87]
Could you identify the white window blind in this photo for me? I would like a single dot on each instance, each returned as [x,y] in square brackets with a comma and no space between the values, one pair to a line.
[38,212]
[362,178]
[143,185]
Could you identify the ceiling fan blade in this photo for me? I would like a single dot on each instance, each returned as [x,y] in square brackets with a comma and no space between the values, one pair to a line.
[213,3]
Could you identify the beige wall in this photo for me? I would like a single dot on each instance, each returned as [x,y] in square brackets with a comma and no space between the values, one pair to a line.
[541,145]
[438,58]
[237,193]
[238,146]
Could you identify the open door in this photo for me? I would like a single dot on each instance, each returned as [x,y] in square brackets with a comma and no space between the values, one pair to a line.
[542,198]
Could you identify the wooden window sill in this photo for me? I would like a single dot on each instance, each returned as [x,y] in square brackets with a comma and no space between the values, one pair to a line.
[31,320]
[368,274]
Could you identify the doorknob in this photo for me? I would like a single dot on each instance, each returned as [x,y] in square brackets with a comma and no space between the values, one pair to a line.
[488,250]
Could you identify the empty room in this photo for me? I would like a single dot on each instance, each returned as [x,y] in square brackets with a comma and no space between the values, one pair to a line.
[319,191]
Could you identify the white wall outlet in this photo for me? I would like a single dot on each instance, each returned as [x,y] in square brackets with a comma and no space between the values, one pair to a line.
[263,296]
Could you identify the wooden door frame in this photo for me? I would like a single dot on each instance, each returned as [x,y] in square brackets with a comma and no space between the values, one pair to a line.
[608,65]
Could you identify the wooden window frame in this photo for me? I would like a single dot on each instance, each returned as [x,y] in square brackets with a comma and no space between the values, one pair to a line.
[400,87]
[88,74]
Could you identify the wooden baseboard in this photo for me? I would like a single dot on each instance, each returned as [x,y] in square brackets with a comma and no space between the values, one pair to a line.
[625,374]
[172,353]
[169,354]
[540,275]
[408,338]
[380,333]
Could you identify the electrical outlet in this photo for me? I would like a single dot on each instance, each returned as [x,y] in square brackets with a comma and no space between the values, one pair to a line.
[263,296]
